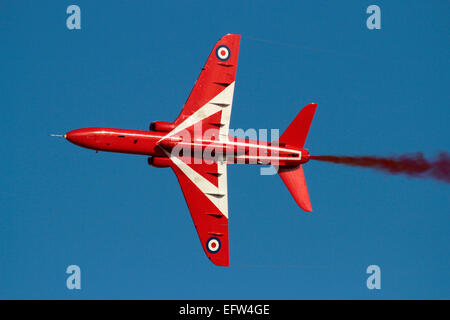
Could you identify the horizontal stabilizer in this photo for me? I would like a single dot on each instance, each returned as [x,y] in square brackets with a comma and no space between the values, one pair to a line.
[294,179]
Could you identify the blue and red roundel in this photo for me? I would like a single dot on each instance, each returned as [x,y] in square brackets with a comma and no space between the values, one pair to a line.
[213,245]
[223,53]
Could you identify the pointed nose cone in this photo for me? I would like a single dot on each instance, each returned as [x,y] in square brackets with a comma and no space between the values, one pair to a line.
[81,137]
[74,136]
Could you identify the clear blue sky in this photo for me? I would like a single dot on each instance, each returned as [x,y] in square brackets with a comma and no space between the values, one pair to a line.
[127,225]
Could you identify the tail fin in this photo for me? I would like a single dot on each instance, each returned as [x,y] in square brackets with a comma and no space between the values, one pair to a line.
[295,135]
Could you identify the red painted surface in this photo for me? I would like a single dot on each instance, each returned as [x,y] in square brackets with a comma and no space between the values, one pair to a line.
[240,151]
[196,147]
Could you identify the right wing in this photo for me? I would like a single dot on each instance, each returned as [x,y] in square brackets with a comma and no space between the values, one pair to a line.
[218,75]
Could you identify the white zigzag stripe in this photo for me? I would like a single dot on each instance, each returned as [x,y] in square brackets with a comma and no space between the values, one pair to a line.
[222,102]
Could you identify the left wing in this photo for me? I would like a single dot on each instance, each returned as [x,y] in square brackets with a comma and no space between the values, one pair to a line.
[205,191]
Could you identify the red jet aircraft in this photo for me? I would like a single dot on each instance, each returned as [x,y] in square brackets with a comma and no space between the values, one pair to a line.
[198,148]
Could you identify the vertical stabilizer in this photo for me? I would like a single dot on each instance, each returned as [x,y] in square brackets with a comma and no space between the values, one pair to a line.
[296,133]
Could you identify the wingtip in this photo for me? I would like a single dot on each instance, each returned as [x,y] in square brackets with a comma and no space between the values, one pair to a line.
[231,35]
[306,207]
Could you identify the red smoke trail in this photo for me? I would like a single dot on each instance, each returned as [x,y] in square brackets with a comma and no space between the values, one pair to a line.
[414,165]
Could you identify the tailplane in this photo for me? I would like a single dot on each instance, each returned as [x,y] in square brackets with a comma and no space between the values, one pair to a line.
[293,177]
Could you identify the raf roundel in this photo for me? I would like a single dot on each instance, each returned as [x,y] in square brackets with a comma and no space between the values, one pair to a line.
[213,245]
[223,53]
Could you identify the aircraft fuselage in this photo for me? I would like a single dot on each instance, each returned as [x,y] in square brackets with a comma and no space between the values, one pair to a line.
[151,143]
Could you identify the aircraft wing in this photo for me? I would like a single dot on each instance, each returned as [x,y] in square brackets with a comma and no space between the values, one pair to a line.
[204,184]
[207,200]
[218,74]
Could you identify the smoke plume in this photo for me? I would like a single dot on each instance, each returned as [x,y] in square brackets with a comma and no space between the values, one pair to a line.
[414,165]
